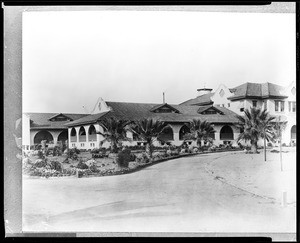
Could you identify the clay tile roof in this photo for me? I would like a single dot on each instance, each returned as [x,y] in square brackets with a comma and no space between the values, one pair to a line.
[200,100]
[41,120]
[255,90]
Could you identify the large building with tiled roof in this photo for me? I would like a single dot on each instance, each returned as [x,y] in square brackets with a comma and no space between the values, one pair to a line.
[82,132]
[278,100]
[219,107]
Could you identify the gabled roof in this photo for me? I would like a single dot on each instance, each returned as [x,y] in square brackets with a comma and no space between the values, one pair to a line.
[202,109]
[137,111]
[259,91]
[204,99]
[60,114]
[158,107]
[41,120]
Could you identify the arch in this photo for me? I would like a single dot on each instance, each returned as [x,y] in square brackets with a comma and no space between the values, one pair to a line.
[183,130]
[63,137]
[42,135]
[293,132]
[226,133]
[73,135]
[82,134]
[92,133]
[167,134]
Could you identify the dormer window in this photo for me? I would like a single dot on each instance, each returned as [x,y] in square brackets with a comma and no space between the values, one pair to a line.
[60,117]
[164,108]
[209,111]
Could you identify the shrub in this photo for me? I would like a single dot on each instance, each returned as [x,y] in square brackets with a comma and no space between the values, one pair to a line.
[73,153]
[124,157]
[142,158]
[40,154]
[82,165]
[270,144]
[55,165]
[283,145]
[40,163]
[95,155]
[95,151]
[57,151]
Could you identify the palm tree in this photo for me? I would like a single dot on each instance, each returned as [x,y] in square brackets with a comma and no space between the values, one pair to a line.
[199,130]
[113,131]
[267,129]
[148,130]
[255,124]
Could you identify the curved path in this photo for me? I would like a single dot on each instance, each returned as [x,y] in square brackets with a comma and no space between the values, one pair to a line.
[175,196]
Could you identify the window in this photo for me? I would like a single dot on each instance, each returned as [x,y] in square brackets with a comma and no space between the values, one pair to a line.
[228,104]
[221,92]
[223,105]
[292,106]
[293,91]
[254,103]
[279,105]
[241,109]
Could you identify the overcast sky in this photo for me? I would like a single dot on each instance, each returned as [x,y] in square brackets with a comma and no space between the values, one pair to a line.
[70,59]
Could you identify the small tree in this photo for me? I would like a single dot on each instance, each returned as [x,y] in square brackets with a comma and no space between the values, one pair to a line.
[199,131]
[113,131]
[255,124]
[148,130]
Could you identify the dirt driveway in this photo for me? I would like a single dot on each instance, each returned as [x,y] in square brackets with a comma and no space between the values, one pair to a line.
[179,195]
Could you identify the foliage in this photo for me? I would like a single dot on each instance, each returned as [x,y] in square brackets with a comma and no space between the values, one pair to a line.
[124,157]
[82,165]
[255,124]
[148,130]
[142,158]
[199,131]
[73,153]
[113,131]
[55,165]
[40,154]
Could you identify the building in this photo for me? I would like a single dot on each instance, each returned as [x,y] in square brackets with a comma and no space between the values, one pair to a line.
[45,126]
[279,101]
[219,108]
[83,132]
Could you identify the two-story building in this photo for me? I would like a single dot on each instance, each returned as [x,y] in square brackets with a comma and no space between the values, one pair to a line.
[279,101]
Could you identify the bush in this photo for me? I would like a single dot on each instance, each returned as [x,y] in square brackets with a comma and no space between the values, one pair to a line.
[82,165]
[55,165]
[57,151]
[124,157]
[195,150]
[95,151]
[284,145]
[269,144]
[40,154]
[142,158]
[73,153]
[95,155]
[40,163]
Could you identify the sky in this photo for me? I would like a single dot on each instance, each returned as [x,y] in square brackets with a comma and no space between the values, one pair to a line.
[71,58]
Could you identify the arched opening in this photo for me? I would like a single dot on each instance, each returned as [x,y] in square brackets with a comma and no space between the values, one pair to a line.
[73,135]
[43,135]
[63,137]
[183,131]
[82,135]
[226,133]
[293,132]
[167,134]
[92,133]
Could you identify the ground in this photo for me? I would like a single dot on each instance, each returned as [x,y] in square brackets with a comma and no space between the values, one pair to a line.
[220,192]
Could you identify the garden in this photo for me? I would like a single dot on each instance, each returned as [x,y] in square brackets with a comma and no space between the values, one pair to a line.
[53,162]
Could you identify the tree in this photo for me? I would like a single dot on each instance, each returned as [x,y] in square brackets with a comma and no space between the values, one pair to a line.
[114,131]
[267,129]
[148,130]
[199,130]
[255,124]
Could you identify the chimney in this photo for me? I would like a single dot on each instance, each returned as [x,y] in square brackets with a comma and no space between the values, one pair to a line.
[203,91]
